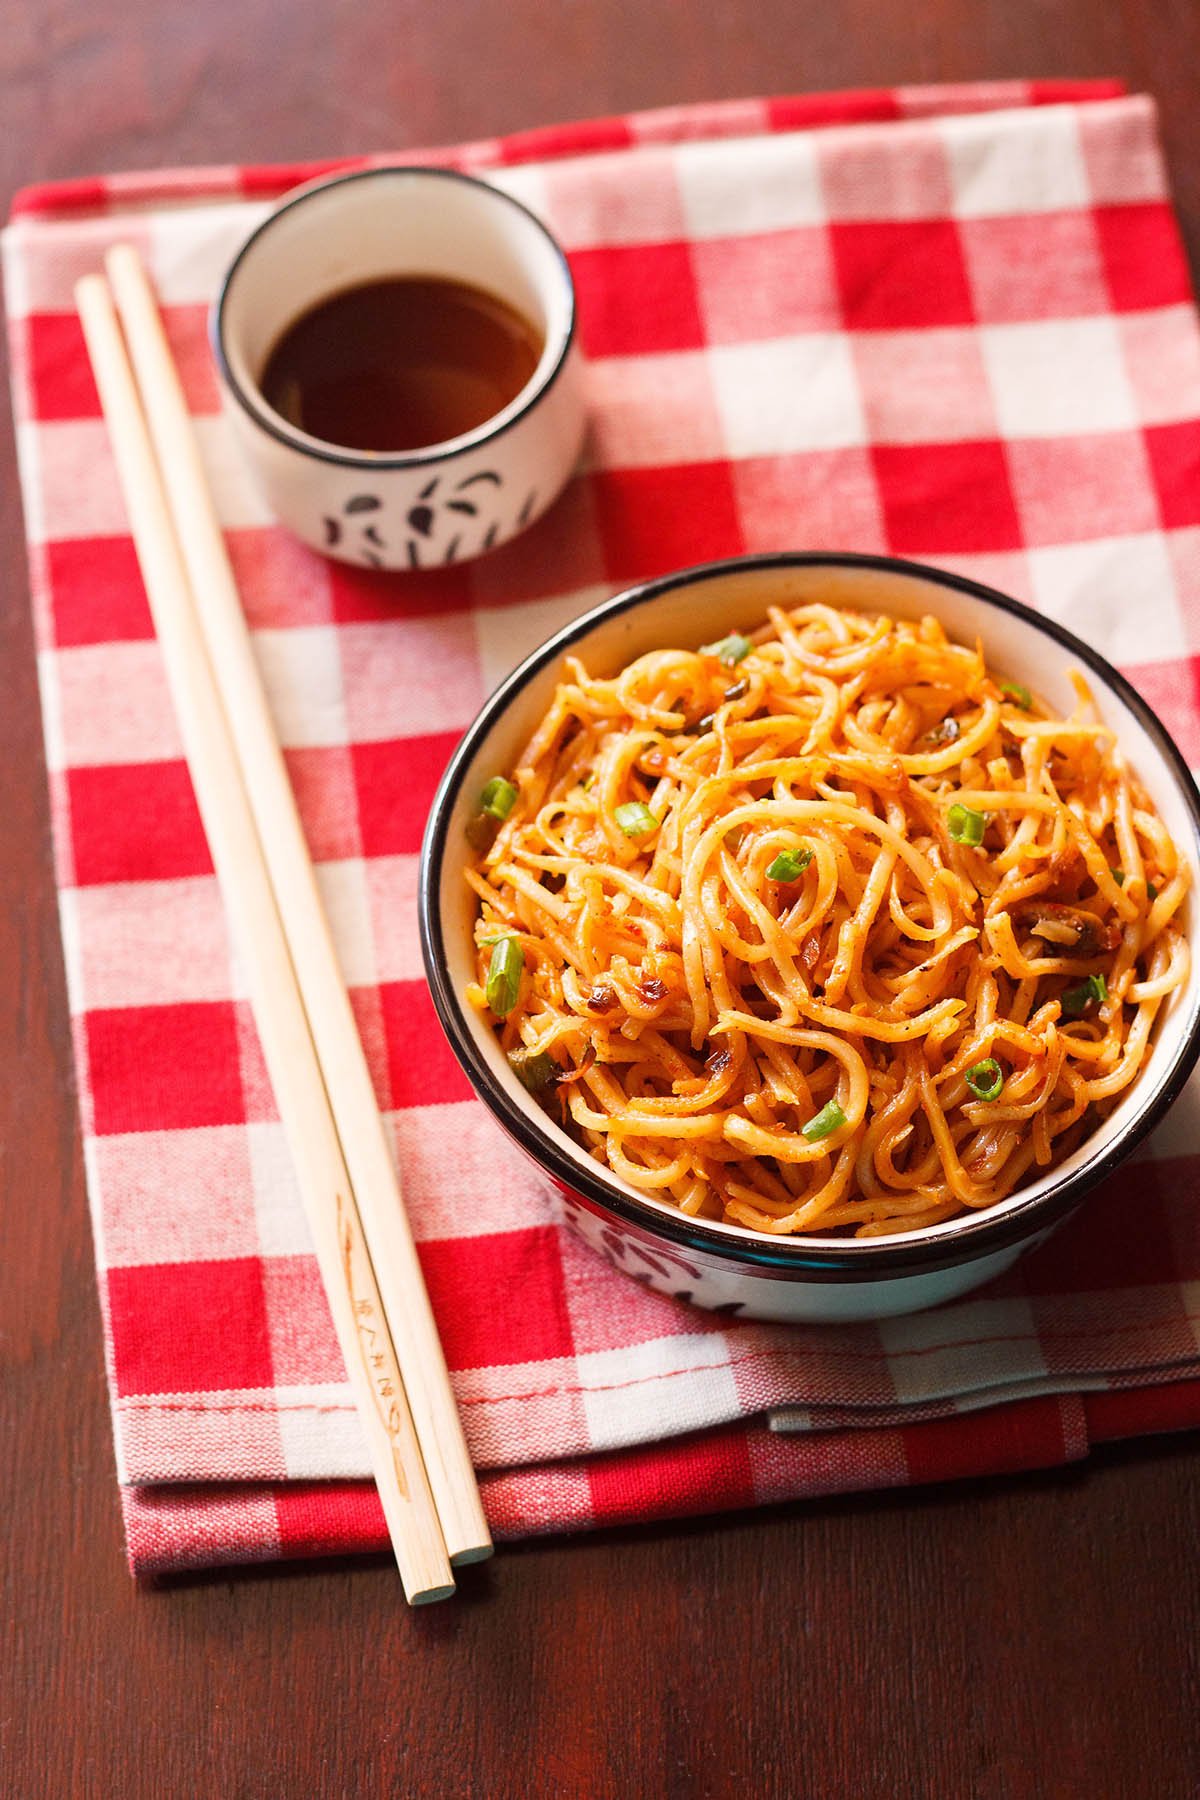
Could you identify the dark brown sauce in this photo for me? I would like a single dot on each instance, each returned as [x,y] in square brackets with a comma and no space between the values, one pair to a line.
[400,364]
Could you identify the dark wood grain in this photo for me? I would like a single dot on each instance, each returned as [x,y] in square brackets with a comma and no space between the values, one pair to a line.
[1034,1637]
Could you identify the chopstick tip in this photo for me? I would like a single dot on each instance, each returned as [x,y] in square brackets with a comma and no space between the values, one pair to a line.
[473,1554]
[88,289]
[427,1596]
[120,256]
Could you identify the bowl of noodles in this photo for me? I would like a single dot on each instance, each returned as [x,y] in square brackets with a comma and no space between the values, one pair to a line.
[822,927]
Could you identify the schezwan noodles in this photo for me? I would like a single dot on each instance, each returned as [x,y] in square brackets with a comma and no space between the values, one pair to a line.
[825,928]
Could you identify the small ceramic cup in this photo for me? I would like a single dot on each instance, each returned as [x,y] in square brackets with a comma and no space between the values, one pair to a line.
[443,502]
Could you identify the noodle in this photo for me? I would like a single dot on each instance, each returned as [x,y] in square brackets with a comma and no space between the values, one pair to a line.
[824,929]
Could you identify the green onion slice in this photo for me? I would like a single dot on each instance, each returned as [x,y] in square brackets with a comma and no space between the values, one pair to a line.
[966,825]
[504,976]
[1151,891]
[1076,1000]
[1014,690]
[789,865]
[498,797]
[534,1069]
[1118,876]
[985,1079]
[729,650]
[825,1123]
[635,819]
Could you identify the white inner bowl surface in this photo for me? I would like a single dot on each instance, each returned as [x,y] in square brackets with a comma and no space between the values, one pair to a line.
[706,609]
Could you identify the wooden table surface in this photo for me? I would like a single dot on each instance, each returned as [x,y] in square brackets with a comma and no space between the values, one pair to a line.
[1023,1637]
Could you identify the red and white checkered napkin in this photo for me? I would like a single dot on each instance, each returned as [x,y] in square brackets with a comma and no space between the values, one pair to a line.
[951,324]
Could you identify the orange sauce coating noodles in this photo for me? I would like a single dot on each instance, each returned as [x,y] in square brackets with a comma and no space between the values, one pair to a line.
[790,990]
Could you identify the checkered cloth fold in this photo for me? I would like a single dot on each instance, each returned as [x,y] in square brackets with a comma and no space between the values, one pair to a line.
[951,323]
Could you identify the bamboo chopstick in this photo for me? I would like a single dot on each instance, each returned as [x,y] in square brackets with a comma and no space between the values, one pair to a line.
[272,803]
[344,1258]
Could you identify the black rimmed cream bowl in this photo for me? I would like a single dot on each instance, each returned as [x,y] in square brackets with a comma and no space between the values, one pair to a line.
[727,1267]
[444,502]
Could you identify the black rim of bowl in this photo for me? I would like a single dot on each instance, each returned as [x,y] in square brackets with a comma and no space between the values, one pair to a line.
[842,1260]
[251,400]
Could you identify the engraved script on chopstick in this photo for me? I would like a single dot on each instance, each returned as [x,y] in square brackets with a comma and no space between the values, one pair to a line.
[374,1343]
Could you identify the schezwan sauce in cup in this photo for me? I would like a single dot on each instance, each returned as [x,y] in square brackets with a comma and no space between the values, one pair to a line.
[398,354]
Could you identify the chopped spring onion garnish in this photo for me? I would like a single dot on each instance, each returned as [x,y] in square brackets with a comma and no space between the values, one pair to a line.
[1014,690]
[534,1069]
[1076,1000]
[825,1123]
[504,976]
[1118,876]
[986,1079]
[498,797]
[635,819]
[966,825]
[1151,891]
[495,937]
[789,865]
[730,650]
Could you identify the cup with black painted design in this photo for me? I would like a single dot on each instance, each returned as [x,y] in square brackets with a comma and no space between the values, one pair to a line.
[400,365]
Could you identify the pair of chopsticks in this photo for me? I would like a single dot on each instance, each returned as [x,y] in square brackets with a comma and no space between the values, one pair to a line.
[314,1055]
